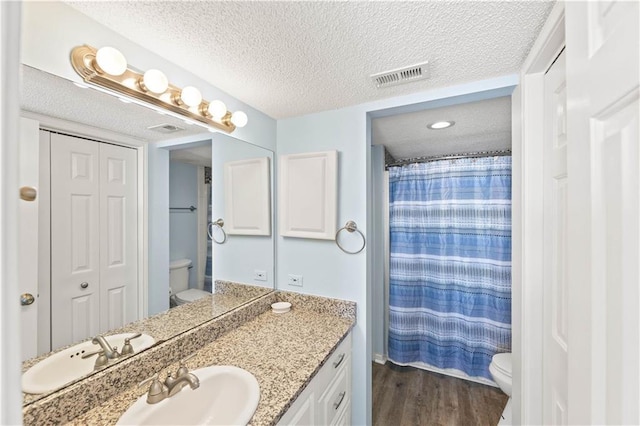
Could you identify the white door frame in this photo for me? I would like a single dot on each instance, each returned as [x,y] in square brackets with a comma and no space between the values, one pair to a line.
[527,242]
[10,395]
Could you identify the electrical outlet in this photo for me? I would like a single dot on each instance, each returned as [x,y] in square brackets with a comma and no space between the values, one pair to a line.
[295,280]
[259,275]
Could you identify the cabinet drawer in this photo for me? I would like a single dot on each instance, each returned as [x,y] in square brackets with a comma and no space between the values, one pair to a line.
[333,401]
[336,362]
[344,419]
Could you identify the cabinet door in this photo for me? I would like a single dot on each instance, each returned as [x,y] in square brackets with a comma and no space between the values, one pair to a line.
[118,236]
[301,412]
[344,419]
[335,398]
[75,269]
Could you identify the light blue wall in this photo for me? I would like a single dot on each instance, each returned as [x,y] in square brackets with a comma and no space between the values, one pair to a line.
[241,255]
[326,270]
[183,224]
[158,229]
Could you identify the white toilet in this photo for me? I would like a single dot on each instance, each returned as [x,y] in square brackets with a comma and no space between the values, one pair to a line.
[500,369]
[179,283]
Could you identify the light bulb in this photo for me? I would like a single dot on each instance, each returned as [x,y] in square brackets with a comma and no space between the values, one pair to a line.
[111,61]
[155,81]
[191,96]
[441,125]
[217,109]
[239,119]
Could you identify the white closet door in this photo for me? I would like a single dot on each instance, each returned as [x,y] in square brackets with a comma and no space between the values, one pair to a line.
[75,269]
[603,91]
[118,236]
[555,237]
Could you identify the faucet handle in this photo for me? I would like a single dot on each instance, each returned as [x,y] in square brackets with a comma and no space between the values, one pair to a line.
[182,369]
[101,361]
[127,348]
[115,353]
[90,354]
[157,391]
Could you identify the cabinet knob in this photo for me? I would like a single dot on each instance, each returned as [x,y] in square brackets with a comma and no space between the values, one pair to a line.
[84,285]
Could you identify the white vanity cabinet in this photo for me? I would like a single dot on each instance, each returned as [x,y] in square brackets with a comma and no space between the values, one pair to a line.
[327,398]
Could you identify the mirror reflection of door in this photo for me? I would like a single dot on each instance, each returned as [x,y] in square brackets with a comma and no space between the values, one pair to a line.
[94,271]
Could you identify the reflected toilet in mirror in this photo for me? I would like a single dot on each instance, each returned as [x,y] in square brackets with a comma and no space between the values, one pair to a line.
[179,289]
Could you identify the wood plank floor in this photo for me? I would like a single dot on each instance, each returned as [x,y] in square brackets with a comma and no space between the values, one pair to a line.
[406,396]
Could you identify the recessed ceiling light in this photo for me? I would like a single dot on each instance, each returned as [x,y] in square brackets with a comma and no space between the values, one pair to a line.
[438,125]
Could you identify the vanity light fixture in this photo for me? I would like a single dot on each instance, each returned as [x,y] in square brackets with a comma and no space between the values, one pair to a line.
[111,61]
[239,119]
[217,109]
[107,70]
[189,96]
[154,81]
[439,125]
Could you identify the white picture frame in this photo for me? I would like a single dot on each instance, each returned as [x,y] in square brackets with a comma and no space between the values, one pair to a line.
[247,197]
[308,195]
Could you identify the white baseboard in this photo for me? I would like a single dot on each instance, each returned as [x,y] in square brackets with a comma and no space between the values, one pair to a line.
[379,358]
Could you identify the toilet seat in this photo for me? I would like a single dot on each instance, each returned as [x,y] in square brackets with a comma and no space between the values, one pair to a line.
[502,363]
[191,295]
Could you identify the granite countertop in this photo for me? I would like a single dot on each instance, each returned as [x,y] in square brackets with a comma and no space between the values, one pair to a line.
[170,323]
[283,351]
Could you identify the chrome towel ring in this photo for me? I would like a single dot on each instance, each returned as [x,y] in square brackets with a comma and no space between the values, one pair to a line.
[351,227]
[219,223]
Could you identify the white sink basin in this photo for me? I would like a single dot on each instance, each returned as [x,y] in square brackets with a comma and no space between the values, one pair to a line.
[227,396]
[66,366]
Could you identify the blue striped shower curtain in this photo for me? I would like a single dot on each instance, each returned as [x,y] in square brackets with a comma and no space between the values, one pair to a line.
[450,264]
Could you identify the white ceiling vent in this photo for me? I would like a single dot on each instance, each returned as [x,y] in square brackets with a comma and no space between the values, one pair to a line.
[165,128]
[401,75]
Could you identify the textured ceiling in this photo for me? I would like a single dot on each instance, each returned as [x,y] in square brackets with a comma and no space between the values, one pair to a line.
[53,96]
[199,155]
[479,126]
[292,58]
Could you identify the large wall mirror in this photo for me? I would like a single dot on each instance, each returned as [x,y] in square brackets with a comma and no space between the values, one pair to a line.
[180,171]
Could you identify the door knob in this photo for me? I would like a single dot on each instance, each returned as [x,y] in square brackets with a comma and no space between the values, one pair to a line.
[84,285]
[27,299]
[28,193]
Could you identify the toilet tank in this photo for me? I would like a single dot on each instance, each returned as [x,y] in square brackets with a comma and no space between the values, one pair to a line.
[179,275]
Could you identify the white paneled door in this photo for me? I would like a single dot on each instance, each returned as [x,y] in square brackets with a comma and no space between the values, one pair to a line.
[93,238]
[603,159]
[75,254]
[555,339]
[118,236]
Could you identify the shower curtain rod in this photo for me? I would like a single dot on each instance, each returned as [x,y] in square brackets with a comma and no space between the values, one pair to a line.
[478,154]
